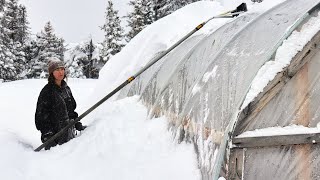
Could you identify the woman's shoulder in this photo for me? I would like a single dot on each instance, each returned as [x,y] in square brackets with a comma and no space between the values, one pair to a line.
[65,85]
[47,88]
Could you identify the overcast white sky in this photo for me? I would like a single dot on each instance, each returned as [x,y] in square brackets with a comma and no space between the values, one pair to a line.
[74,20]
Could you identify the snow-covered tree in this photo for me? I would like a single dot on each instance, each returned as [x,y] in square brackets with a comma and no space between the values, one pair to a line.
[141,16]
[113,33]
[89,70]
[74,56]
[83,60]
[15,22]
[159,8]
[31,52]
[145,12]
[7,70]
[23,33]
[21,41]
[47,45]
[2,4]
[10,21]
[14,33]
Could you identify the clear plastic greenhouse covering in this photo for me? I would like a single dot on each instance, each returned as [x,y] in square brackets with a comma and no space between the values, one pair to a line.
[201,85]
[297,103]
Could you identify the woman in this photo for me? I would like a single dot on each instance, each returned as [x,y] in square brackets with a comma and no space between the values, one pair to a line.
[56,106]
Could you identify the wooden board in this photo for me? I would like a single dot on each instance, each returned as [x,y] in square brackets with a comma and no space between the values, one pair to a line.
[278,140]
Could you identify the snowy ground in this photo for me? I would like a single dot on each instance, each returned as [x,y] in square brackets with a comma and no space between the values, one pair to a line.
[120,142]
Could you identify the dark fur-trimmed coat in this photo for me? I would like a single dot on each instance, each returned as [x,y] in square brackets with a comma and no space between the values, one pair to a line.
[55,108]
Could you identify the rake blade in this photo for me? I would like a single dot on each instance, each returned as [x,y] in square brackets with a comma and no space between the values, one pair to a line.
[241,8]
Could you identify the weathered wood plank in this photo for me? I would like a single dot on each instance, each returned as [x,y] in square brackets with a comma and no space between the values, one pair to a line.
[236,165]
[278,140]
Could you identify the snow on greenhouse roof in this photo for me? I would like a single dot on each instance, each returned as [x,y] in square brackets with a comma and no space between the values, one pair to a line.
[283,57]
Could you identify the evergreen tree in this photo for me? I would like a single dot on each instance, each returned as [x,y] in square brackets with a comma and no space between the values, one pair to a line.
[159,8]
[84,61]
[11,43]
[73,63]
[113,38]
[7,71]
[88,68]
[31,52]
[141,16]
[21,41]
[15,23]
[23,33]
[47,45]
[145,12]
[2,4]
[10,22]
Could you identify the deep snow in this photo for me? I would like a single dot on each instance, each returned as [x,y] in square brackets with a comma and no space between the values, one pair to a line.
[121,143]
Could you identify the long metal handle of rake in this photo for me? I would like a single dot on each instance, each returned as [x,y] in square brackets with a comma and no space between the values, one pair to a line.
[129,80]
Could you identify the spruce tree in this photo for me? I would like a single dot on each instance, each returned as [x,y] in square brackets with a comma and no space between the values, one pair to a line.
[15,22]
[2,4]
[15,33]
[159,8]
[113,33]
[7,70]
[141,16]
[9,50]
[21,41]
[31,52]
[145,12]
[88,68]
[48,45]
[2,47]
[10,21]
[23,33]
[74,65]
[84,61]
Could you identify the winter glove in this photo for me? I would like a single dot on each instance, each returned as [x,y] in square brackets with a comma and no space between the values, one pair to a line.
[46,136]
[73,115]
[79,126]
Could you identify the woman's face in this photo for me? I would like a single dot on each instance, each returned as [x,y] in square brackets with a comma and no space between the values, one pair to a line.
[58,74]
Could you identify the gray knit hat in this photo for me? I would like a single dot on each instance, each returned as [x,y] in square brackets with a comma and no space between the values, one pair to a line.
[54,63]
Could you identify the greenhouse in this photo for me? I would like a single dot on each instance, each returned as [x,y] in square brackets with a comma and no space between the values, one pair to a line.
[246,95]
